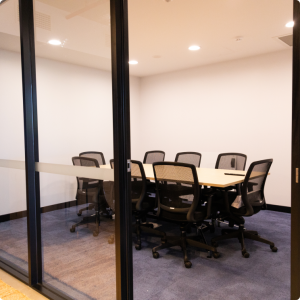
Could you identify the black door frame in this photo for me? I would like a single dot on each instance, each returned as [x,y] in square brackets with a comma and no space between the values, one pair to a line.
[295,223]
[122,155]
[121,124]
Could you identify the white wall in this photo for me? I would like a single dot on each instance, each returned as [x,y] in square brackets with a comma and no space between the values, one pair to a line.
[12,182]
[74,115]
[236,106]
[242,106]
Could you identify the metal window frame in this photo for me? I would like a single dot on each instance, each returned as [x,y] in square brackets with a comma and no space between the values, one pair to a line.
[295,210]
[31,141]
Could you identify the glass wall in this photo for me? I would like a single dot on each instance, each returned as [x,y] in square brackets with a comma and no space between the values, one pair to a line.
[74,92]
[215,77]
[13,221]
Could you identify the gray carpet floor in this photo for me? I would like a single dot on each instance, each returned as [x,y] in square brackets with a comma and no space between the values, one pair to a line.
[83,266]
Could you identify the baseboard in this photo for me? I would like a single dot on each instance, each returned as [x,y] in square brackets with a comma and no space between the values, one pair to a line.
[13,216]
[285,209]
[53,207]
[23,214]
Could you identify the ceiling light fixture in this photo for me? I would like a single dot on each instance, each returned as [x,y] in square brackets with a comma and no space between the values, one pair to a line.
[1,2]
[54,42]
[194,48]
[289,24]
[133,62]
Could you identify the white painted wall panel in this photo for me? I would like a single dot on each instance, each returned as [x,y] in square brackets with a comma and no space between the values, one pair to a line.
[237,106]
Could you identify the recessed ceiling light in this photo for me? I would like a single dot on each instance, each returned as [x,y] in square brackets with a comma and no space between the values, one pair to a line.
[194,48]
[289,24]
[54,42]
[133,62]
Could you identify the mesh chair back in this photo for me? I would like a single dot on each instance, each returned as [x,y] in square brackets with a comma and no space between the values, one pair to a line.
[178,190]
[154,156]
[96,155]
[85,162]
[138,183]
[231,161]
[193,158]
[254,184]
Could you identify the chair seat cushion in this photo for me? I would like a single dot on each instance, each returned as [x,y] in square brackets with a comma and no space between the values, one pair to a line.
[218,204]
[199,215]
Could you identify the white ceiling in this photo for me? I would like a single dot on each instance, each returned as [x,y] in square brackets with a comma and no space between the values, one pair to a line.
[168,29]
[159,32]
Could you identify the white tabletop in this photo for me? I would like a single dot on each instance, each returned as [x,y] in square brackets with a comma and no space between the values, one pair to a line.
[207,177]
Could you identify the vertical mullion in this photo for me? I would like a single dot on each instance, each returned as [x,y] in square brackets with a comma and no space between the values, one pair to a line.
[295,225]
[31,140]
[121,132]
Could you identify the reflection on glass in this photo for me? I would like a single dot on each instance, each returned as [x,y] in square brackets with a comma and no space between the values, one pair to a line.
[216,78]
[72,40]
[13,221]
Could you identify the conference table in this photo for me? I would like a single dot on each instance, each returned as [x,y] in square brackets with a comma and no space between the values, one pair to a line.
[211,177]
[208,176]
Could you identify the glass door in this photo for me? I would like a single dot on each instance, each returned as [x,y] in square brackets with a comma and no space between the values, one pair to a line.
[74,101]
[13,209]
[77,147]
[215,82]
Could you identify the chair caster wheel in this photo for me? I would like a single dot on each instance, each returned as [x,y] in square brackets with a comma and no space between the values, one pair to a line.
[188,264]
[138,247]
[95,233]
[214,244]
[155,255]
[273,248]
[79,214]
[216,254]
[246,254]
[72,229]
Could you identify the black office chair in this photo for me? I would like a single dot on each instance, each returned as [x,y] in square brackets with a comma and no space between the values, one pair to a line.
[231,161]
[226,161]
[253,199]
[149,158]
[193,158]
[94,154]
[178,201]
[153,156]
[142,202]
[107,186]
[89,188]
